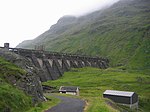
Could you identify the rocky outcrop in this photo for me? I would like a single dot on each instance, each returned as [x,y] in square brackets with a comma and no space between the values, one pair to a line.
[29,82]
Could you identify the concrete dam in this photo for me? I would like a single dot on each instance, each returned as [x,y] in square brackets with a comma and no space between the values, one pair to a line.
[52,65]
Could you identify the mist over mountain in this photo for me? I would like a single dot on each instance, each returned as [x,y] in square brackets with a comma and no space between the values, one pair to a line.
[120,32]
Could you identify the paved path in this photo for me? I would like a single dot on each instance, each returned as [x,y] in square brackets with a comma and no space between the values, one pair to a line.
[68,105]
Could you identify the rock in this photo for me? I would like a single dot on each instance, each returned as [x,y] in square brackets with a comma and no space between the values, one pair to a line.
[28,82]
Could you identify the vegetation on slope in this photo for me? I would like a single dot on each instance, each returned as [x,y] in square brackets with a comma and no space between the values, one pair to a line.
[120,32]
[41,107]
[11,98]
[93,82]
[14,100]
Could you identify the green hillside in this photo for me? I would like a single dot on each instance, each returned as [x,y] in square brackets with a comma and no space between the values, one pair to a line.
[11,98]
[93,82]
[120,32]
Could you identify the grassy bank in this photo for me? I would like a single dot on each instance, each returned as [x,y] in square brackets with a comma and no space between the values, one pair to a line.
[93,82]
[14,100]
[11,98]
[45,105]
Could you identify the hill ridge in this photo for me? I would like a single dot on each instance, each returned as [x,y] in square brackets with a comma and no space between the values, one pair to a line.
[120,32]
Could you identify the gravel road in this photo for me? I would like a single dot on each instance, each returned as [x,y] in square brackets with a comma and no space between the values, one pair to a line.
[68,105]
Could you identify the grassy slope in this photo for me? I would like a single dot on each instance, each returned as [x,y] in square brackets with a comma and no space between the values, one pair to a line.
[10,96]
[93,82]
[119,36]
[15,99]
[120,33]
[41,107]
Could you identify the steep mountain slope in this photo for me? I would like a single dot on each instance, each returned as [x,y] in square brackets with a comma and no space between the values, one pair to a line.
[120,32]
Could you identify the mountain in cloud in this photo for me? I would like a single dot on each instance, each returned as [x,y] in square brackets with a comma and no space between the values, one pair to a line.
[120,32]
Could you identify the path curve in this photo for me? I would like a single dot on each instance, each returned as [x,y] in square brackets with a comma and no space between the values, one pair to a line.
[68,105]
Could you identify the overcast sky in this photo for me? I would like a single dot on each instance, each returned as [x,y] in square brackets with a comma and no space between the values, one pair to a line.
[26,19]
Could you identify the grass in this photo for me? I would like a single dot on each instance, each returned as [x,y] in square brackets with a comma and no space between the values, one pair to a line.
[93,82]
[7,68]
[11,98]
[41,107]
